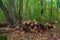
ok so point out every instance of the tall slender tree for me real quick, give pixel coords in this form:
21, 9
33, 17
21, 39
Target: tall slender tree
42, 10
20, 10
51, 11
26, 12
12, 11
57, 9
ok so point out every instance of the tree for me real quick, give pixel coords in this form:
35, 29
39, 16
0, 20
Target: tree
13, 13
26, 12
20, 10
57, 9
51, 12
41, 1
6, 12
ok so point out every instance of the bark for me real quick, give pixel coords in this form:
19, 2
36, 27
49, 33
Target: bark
51, 12
42, 10
6, 12
20, 10
13, 13
26, 12
57, 9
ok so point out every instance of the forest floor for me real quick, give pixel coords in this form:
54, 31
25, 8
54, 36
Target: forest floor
34, 36
39, 36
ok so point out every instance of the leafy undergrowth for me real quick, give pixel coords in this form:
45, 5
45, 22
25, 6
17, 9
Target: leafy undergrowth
3, 37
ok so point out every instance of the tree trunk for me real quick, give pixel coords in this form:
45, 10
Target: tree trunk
26, 12
6, 12
41, 1
57, 9
20, 10
12, 11
51, 12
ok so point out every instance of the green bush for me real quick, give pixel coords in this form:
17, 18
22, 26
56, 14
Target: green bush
3, 37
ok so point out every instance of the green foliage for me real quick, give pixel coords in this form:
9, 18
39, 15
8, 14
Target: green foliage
3, 37
2, 16
34, 10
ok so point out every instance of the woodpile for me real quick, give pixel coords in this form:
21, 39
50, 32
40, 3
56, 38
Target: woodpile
29, 30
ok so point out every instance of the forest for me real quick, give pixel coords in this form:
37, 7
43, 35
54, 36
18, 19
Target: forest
41, 10
18, 11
